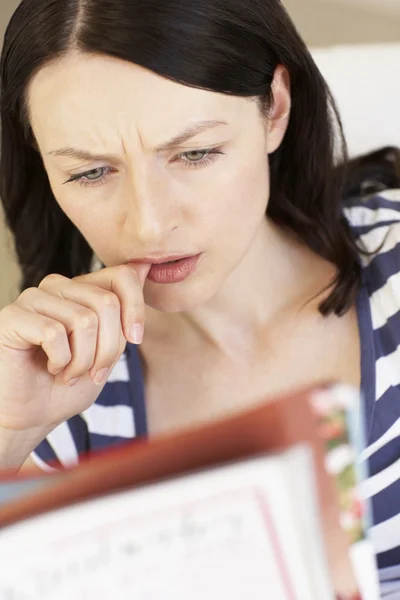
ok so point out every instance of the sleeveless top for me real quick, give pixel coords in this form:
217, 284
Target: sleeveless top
119, 414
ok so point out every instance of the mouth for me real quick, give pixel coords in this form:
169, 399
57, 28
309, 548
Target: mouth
163, 260
171, 269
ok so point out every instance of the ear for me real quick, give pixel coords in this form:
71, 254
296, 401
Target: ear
279, 115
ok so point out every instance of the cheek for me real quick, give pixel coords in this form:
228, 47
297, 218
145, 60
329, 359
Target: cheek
240, 204
91, 219
100, 232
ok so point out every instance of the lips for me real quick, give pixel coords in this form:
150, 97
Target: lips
176, 270
172, 262
163, 260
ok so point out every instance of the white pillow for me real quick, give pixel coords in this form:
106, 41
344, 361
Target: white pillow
365, 81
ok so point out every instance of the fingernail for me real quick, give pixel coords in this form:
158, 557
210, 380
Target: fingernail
73, 382
136, 334
101, 376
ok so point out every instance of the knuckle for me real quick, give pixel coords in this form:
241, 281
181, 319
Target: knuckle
54, 332
105, 362
110, 301
32, 291
51, 280
86, 320
8, 311
5, 316
60, 363
78, 369
105, 357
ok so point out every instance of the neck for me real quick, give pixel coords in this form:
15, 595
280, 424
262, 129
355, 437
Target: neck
276, 278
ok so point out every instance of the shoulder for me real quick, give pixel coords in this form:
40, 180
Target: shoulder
375, 222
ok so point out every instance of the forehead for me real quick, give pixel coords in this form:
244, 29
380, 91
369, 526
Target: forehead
89, 91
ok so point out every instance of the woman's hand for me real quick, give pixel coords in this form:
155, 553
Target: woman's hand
59, 342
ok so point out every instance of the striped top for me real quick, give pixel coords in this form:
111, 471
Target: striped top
120, 415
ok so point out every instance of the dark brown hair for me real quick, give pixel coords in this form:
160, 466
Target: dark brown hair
227, 46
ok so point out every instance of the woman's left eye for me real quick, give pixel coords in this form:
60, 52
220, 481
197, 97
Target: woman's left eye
199, 158
193, 159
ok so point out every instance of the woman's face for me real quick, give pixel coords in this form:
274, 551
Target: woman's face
104, 129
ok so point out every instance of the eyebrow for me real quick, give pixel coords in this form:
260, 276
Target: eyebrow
189, 133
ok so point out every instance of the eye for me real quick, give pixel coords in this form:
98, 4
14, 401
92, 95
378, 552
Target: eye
92, 177
196, 155
95, 174
193, 159
198, 158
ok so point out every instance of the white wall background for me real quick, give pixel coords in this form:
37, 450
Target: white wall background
389, 6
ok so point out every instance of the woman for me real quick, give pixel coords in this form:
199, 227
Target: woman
136, 134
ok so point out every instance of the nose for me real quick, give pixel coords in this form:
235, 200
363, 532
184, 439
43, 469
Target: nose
150, 217
144, 220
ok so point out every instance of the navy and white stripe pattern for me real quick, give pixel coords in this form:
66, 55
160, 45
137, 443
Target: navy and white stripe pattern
376, 224
119, 414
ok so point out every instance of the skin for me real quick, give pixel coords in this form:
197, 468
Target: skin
152, 204
246, 314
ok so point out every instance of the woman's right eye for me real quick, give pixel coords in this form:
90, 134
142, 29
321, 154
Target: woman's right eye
95, 174
92, 177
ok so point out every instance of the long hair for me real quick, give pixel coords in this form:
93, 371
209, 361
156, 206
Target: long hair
225, 46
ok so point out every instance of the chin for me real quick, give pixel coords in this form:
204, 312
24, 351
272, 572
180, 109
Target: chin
178, 297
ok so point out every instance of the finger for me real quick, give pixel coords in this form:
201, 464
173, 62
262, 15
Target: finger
110, 340
24, 330
142, 270
126, 282
80, 322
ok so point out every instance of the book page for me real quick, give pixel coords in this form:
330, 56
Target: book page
226, 533
303, 490
364, 563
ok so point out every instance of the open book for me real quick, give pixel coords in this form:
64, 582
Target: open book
261, 505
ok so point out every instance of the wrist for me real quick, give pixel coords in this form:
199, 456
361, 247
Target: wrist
16, 446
